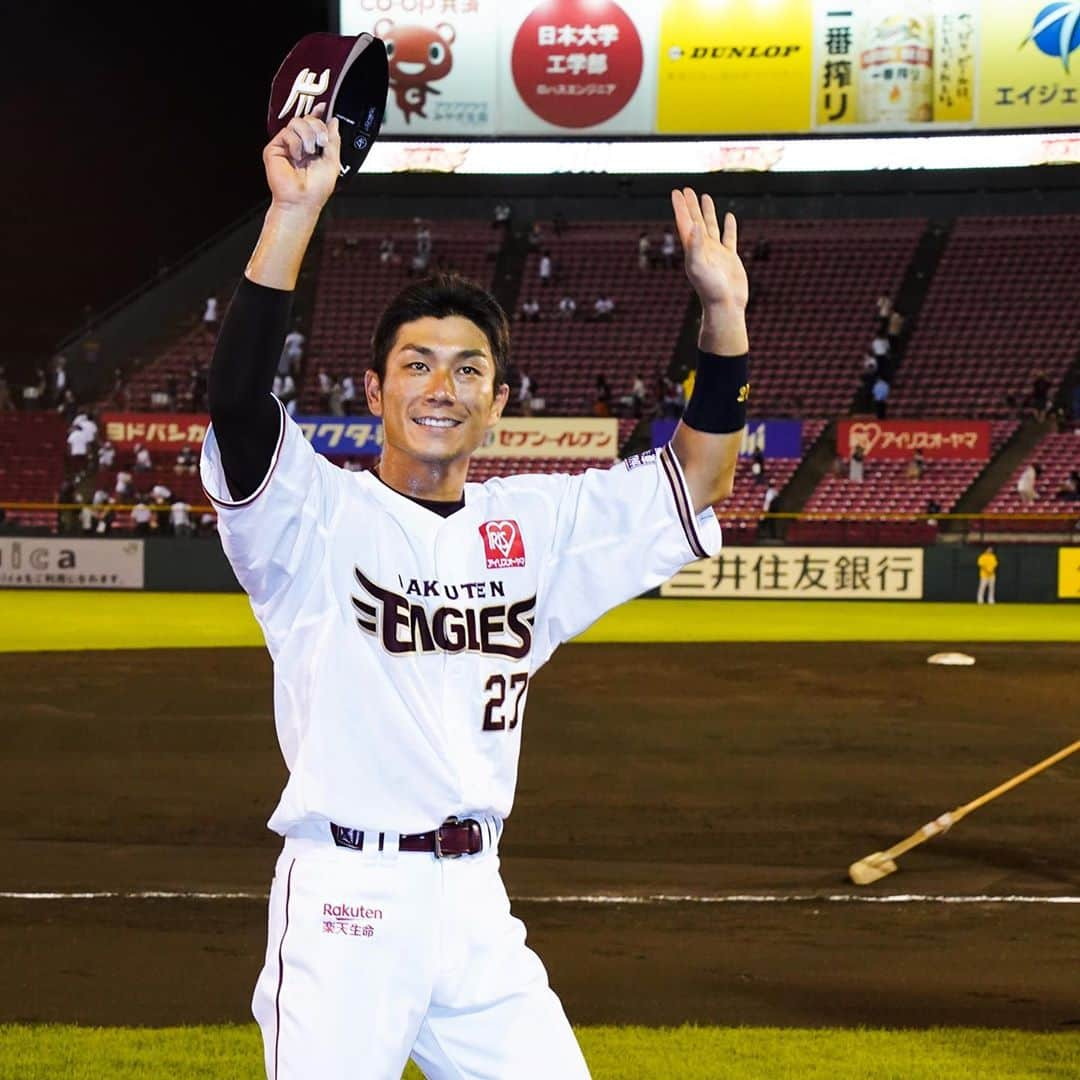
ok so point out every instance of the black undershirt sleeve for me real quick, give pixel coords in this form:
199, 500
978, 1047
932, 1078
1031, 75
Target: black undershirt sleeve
246, 418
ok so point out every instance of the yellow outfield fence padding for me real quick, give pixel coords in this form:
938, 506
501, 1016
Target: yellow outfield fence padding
61, 619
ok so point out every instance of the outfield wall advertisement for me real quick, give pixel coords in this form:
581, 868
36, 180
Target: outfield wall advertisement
797, 573
45, 562
897, 440
679, 67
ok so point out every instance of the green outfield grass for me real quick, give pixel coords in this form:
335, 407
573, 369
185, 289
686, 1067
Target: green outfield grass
686, 1053
32, 621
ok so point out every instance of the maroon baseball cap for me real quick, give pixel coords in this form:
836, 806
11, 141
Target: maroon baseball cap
350, 74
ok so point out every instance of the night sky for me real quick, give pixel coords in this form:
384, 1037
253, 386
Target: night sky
130, 132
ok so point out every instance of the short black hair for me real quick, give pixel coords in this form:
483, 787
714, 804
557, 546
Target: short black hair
439, 296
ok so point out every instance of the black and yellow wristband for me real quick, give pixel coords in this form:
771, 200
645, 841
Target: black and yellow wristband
721, 390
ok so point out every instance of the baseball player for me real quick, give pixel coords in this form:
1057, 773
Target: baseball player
406, 612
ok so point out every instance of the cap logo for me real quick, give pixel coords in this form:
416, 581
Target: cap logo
306, 88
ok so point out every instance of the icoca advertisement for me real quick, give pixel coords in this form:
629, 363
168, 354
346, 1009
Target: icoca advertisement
58, 563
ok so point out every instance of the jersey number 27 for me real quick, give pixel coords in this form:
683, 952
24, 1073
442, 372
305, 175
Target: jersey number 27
495, 719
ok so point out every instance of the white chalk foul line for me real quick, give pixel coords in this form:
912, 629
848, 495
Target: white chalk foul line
659, 898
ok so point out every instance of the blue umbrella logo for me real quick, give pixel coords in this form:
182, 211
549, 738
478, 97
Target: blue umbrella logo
1056, 31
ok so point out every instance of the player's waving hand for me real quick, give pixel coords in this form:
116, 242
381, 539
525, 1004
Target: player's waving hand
303, 161
712, 259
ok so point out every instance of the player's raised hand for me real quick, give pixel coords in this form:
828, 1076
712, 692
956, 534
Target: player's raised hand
303, 161
712, 259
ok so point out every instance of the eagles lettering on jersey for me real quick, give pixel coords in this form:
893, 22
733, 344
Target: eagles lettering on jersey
405, 627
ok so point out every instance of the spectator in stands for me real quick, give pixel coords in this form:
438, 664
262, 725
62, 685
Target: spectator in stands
325, 386
567, 307
118, 395
767, 529
348, 395
501, 217
80, 437
1025, 486
172, 392
643, 247
187, 462
635, 400
757, 466
180, 518
160, 507
855, 467
34, 394
68, 406
883, 309
210, 316
197, 388
933, 508
1070, 490
423, 240
880, 350
865, 398
292, 351
536, 237
65, 495
602, 399
141, 518
530, 310
916, 467
336, 400
124, 484
207, 524
387, 257
106, 455
880, 394
674, 399
603, 308
288, 395
1039, 399
160, 492
143, 461
667, 248
5, 393
525, 393
545, 268
419, 263
894, 329
58, 380
988, 564
104, 517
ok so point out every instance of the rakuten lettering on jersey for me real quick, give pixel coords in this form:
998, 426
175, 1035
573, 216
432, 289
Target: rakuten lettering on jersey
503, 545
405, 627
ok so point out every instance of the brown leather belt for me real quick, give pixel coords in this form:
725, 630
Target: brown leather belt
450, 840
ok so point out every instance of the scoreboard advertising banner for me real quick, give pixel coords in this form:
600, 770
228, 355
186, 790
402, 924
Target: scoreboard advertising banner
679, 67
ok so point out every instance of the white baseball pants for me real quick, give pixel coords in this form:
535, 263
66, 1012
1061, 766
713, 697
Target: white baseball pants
986, 588
375, 957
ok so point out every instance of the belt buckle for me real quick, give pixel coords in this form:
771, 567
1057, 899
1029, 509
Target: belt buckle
439, 853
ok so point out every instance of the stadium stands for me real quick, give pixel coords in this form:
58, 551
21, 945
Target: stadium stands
565, 356
354, 287
32, 450
812, 311
1058, 454
997, 310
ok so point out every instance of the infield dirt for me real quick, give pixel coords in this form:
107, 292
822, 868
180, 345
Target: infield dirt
705, 770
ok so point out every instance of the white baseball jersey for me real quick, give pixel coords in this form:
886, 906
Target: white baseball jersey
403, 641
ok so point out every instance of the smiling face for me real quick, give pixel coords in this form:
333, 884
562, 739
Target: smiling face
437, 399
